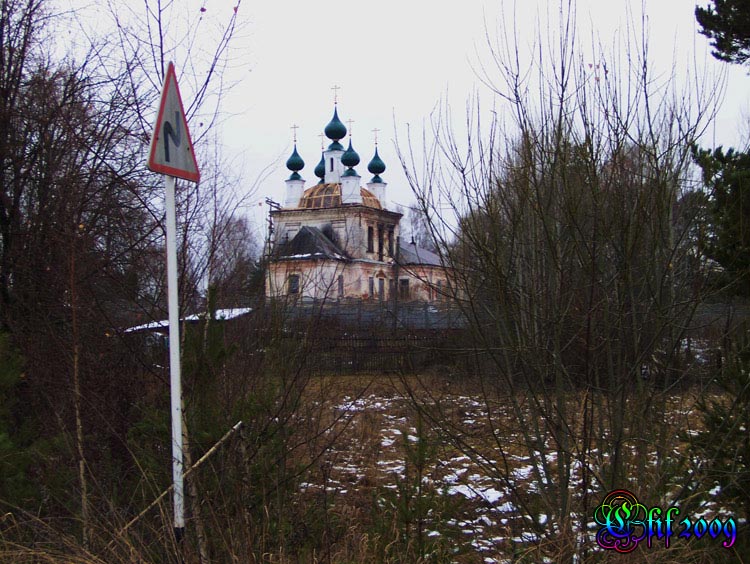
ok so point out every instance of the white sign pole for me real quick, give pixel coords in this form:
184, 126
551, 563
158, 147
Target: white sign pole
171, 153
174, 359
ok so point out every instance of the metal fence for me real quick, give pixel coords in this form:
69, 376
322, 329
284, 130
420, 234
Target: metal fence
350, 337
387, 314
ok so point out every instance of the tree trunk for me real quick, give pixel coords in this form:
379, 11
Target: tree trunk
77, 400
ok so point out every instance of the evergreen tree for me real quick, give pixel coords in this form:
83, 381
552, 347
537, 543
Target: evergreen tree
727, 177
723, 443
727, 24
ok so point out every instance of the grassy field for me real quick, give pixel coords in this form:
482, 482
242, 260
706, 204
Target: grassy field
446, 491
393, 470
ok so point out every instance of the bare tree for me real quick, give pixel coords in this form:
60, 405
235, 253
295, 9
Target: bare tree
80, 217
572, 261
418, 229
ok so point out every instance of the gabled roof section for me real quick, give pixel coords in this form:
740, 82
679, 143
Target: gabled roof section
411, 254
310, 243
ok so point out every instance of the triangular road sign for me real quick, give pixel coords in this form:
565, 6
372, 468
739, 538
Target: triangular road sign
171, 151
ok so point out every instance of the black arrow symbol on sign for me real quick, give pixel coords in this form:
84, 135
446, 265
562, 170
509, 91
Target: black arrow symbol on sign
169, 132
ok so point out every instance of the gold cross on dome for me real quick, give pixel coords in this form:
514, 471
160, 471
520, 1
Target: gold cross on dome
336, 89
294, 128
322, 143
375, 131
350, 122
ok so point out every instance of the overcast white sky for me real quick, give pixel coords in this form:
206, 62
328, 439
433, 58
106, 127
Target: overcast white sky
394, 60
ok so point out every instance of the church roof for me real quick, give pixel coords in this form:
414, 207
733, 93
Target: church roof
329, 196
310, 243
411, 254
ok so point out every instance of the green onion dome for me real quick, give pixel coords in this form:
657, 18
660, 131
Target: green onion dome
376, 166
335, 130
350, 157
295, 176
335, 146
320, 169
295, 162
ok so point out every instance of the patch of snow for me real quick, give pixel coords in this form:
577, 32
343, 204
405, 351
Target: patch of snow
231, 313
352, 405
506, 507
490, 495
453, 477
464, 490
163, 324
486, 520
220, 314
392, 467
523, 473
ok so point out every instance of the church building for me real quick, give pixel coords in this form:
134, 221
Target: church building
336, 240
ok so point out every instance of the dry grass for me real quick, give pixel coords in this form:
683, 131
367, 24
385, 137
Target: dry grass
374, 496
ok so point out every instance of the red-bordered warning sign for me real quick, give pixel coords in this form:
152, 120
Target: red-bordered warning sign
171, 151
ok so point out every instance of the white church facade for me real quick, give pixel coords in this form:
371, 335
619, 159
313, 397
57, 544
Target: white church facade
335, 240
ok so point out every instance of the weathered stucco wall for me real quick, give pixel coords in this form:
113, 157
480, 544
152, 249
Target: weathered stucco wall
360, 279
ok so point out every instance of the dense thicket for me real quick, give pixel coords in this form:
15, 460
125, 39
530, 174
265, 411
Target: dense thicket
75, 238
576, 231
722, 444
82, 259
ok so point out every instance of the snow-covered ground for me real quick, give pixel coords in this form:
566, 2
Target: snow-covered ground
481, 507
470, 500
